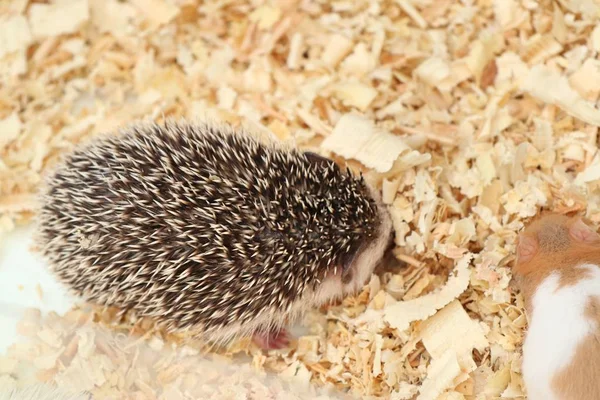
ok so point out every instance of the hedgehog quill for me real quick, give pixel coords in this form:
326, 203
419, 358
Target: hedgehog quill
202, 226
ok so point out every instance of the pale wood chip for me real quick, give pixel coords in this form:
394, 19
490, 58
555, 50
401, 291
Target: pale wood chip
10, 128
158, 12
355, 94
8, 365
58, 18
265, 16
433, 71
295, 54
586, 80
595, 38
338, 47
356, 137
541, 47
452, 328
412, 12
550, 87
15, 34
112, 16
508, 13
401, 314
440, 376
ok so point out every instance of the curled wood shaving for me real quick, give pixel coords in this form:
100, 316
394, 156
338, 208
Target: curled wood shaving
452, 328
550, 87
401, 314
440, 376
358, 138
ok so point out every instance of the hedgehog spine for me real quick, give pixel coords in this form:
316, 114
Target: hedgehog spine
205, 227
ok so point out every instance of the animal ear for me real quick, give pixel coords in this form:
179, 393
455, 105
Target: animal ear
583, 233
319, 159
526, 248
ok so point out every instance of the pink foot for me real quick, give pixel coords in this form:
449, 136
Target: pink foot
272, 340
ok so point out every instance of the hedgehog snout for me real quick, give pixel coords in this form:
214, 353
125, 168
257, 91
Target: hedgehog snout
361, 266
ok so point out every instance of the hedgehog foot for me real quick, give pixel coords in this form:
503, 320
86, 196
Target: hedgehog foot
272, 340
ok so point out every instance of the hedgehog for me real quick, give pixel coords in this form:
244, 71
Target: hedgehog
202, 226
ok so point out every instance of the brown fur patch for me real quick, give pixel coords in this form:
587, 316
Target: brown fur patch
580, 379
570, 277
557, 252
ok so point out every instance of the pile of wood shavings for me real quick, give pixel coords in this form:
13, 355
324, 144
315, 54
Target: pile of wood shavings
74, 352
470, 116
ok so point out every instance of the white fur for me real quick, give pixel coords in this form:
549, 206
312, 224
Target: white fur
557, 326
364, 264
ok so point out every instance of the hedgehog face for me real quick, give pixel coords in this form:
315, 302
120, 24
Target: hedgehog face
356, 267
360, 267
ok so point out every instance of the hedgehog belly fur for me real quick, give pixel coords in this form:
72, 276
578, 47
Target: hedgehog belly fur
202, 226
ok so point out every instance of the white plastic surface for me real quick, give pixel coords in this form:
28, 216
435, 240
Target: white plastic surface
21, 271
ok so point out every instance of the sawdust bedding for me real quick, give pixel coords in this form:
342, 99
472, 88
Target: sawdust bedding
470, 116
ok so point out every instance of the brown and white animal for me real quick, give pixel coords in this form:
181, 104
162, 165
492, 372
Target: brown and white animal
202, 226
558, 271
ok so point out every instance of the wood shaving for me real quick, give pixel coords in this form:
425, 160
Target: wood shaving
111, 363
358, 138
409, 9
509, 13
452, 329
440, 376
355, 94
15, 35
433, 71
10, 128
550, 87
401, 314
540, 48
157, 12
40, 391
58, 18
338, 47
470, 116
586, 80
112, 16
265, 16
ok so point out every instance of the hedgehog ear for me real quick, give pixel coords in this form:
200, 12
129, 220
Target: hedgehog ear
526, 248
319, 160
583, 233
